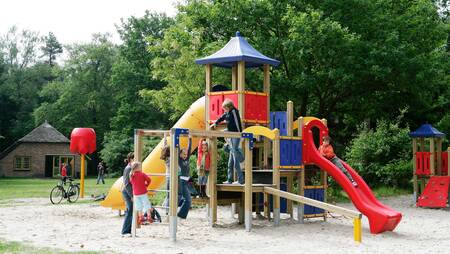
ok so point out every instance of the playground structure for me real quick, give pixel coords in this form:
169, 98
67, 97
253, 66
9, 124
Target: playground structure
266, 135
431, 170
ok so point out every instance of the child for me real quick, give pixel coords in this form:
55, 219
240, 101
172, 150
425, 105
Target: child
326, 150
140, 182
64, 173
203, 164
183, 165
233, 120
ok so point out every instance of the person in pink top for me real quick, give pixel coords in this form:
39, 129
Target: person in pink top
140, 181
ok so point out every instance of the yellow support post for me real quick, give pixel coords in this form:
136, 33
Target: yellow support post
83, 160
357, 230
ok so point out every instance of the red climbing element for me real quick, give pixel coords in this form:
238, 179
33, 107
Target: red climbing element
435, 194
83, 141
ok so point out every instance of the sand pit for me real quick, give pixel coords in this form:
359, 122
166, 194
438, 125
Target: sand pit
91, 227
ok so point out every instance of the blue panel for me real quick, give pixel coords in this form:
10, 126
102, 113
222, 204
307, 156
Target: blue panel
297, 148
319, 196
278, 119
285, 152
310, 193
290, 152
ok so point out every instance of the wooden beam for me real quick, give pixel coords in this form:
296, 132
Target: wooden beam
234, 78
152, 133
439, 156
290, 118
290, 187
313, 202
266, 206
266, 152
266, 87
276, 176
300, 127
241, 89
208, 81
173, 200
212, 181
248, 186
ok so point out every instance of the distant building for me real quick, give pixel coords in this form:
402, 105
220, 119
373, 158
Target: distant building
40, 153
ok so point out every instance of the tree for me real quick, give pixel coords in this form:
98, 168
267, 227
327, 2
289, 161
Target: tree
131, 73
51, 49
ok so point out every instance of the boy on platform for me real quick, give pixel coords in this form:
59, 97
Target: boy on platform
327, 151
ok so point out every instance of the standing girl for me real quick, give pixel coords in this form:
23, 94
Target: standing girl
140, 182
203, 165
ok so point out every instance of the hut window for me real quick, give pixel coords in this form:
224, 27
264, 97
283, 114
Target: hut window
22, 163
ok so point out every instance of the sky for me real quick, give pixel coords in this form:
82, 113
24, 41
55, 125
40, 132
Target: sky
75, 21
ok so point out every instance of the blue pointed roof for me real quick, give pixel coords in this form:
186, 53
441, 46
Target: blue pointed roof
426, 131
237, 49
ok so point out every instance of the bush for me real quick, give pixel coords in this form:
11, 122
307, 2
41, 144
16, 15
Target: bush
382, 157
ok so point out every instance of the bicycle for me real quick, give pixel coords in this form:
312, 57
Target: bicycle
58, 192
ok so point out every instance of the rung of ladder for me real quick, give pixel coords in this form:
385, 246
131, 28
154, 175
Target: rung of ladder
157, 174
158, 190
161, 206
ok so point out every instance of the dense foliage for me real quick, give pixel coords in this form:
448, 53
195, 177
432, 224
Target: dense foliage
350, 61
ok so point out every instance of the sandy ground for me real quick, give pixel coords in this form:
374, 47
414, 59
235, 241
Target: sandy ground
91, 227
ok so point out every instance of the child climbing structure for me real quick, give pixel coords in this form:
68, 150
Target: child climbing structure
431, 170
270, 136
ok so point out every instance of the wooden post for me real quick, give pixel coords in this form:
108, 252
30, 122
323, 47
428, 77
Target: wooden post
276, 176
266, 206
208, 79
138, 145
241, 90
432, 157
290, 183
266, 152
300, 179
212, 181
290, 118
248, 186
415, 184
266, 84
173, 202
82, 173
234, 78
439, 156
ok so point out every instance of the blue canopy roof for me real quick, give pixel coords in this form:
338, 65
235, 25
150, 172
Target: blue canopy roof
426, 131
238, 49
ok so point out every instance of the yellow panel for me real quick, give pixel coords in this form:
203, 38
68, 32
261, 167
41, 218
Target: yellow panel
261, 131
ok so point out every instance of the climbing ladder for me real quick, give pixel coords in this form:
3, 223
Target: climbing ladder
435, 194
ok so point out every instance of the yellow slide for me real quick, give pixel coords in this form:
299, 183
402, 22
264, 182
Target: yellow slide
194, 118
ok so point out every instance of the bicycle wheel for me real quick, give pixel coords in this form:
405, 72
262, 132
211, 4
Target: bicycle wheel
73, 193
56, 195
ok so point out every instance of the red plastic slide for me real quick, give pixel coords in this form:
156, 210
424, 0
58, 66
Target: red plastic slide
381, 218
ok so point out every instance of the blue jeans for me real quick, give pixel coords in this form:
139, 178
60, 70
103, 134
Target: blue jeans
234, 161
126, 228
184, 199
337, 162
101, 177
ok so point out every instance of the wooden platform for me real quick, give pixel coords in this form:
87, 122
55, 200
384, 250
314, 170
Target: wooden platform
220, 201
256, 187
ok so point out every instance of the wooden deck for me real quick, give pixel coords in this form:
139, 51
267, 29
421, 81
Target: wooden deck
257, 187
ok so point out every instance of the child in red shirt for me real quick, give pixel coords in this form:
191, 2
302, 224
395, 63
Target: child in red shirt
64, 173
140, 181
327, 151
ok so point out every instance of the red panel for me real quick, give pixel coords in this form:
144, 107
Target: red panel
419, 163
435, 193
444, 163
215, 106
256, 107
426, 163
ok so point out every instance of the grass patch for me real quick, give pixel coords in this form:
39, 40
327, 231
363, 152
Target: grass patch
337, 195
16, 247
13, 188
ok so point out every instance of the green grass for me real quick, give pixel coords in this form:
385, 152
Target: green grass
339, 196
16, 247
13, 188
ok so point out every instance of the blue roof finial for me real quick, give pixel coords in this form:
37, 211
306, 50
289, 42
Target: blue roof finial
238, 34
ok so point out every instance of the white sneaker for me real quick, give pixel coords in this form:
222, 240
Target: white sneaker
126, 235
237, 182
355, 184
226, 182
